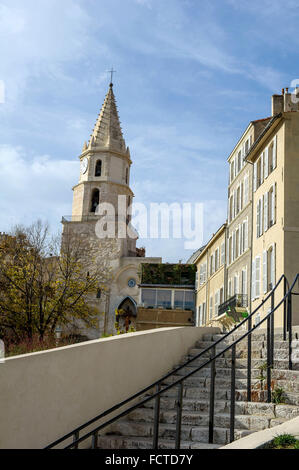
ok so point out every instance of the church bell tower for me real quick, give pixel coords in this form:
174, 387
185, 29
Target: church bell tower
105, 164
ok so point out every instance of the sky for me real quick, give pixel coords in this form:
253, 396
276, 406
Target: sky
191, 75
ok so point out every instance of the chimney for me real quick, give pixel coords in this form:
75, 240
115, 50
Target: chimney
277, 103
290, 101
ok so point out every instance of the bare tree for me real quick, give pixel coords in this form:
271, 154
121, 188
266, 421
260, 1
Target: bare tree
43, 286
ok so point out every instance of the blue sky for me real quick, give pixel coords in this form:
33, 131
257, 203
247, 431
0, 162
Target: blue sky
191, 74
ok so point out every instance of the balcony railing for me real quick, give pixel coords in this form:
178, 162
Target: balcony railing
238, 300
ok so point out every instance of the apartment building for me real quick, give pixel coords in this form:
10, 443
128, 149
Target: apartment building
239, 225
210, 278
261, 236
275, 237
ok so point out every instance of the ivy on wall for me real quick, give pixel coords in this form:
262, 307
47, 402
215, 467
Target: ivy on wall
168, 274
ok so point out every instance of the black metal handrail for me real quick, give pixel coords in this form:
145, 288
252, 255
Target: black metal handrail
287, 300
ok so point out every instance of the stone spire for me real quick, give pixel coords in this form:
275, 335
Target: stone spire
107, 132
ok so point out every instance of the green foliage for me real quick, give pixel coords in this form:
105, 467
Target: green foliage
168, 274
44, 285
277, 395
285, 440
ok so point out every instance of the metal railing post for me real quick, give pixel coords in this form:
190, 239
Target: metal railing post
232, 395
269, 360
285, 310
249, 361
156, 419
75, 437
179, 416
290, 320
94, 444
272, 330
212, 397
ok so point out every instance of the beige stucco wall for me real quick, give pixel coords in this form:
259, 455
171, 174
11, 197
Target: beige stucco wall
274, 234
214, 281
47, 394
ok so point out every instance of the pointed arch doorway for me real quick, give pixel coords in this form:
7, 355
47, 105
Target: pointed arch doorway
126, 318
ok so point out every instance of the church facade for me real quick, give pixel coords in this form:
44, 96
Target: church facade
104, 183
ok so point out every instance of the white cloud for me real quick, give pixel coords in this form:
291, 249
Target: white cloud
34, 187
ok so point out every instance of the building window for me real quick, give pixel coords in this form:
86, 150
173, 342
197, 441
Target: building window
238, 201
272, 155
256, 277
211, 265
217, 259
232, 171
259, 218
211, 307
95, 199
127, 175
164, 298
269, 269
99, 293
237, 243
244, 281
231, 215
222, 259
246, 189
98, 171
272, 206
239, 160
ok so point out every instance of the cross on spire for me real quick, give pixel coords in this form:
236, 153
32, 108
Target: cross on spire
112, 71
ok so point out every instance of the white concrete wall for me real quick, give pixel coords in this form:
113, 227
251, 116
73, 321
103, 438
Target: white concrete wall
47, 394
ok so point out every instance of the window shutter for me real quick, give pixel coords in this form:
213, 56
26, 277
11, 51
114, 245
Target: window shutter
257, 275
274, 152
258, 219
240, 239
273, 196
211, 307
274, 203
234, 246
261, 215
222, 254
273, 263
266, 197
266, 162
200, 315
246, 234
262, 168
253, 280
265, 281
244, 281
246, 189
233, 206
254, 176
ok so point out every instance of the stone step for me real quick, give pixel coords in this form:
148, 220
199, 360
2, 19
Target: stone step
241, 353
256, 335
168, 432
195, 418
120, 442
270, 410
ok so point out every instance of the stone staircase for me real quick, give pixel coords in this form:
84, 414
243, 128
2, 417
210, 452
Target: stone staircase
135, 431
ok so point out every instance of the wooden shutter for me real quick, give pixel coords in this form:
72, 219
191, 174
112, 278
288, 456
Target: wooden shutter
253, 280
273, 265
266, 162
274, 152
266, 197
258, 219
257, 276
254, 176
265, 276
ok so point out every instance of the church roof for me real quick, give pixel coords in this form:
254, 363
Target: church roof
107, 132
